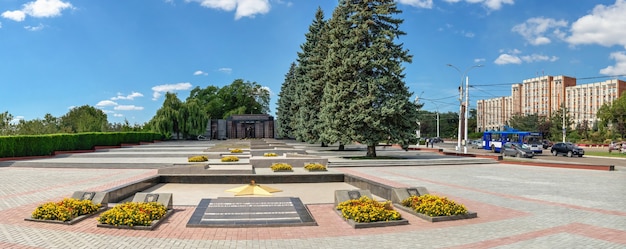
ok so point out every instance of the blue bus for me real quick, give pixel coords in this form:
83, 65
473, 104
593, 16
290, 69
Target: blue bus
493, 140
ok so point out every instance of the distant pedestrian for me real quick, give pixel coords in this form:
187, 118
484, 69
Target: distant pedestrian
432, 143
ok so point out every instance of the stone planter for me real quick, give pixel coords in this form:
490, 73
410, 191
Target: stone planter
358, 225
69, 222
469, 215
152, 226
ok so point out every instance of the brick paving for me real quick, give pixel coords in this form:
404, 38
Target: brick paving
517, 206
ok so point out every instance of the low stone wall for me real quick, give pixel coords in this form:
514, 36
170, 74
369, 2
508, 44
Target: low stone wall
279, 152
122, 192
296, 162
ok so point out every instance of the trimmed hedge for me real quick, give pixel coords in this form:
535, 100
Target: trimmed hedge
44, 145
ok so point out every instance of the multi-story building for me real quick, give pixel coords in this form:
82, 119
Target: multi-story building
583, 101
545, 95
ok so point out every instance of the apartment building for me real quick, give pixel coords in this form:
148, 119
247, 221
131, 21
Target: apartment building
583, 101
545, 95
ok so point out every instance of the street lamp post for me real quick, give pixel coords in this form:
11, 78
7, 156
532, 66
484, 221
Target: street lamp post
463, 114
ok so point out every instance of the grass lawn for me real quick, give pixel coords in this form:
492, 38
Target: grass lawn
605, 153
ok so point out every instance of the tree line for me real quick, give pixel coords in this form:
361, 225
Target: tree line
175, 119
347, 84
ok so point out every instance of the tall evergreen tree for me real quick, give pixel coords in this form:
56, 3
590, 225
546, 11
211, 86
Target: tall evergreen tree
366, 83
287, 106
310, 71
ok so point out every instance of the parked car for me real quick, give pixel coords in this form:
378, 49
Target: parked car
567, 149
546, 144
516, 150
476, 144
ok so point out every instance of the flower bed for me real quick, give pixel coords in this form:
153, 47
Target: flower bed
270, 154
198, 159
315, 167
236, 150
365, 212
134, 215
435, 208
281, 167
68, 211
230, 159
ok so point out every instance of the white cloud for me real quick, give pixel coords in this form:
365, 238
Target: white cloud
604, 26
106, 103
225, 70
38, 9
479, 60
620, 64
16, 15
131, 96
199, 72
128, 108
427, 4
504, 59
538, 57
515, 57
160, 89
16, 120
243, 8
118, 115
490, 4
34, 28
534, 29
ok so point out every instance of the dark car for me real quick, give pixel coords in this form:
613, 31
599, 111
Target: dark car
516, 150
567, 149
546, 144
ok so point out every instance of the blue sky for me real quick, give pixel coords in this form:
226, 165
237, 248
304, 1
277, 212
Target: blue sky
122, 56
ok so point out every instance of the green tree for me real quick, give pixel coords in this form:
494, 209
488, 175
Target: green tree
6, 128
286, 106
48, 125
84, 119
237, 98
614, 116
310, 86
193, 118
372, 101
167, 119
560, 121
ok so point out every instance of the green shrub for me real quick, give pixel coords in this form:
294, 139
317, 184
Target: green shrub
365, 210
433, 205
133, 214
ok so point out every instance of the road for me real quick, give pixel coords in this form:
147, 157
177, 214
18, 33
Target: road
546, 156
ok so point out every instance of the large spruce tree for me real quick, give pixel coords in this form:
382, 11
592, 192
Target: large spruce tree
309, 85
366, 99
287, 106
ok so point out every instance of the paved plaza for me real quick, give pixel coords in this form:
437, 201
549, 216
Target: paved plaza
518, 206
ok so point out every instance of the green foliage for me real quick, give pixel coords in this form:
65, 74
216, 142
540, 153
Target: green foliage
287, 107
365, 98
43, 145
433, 205
64, 210
133, 214
365, 210
85, 119
240, 97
